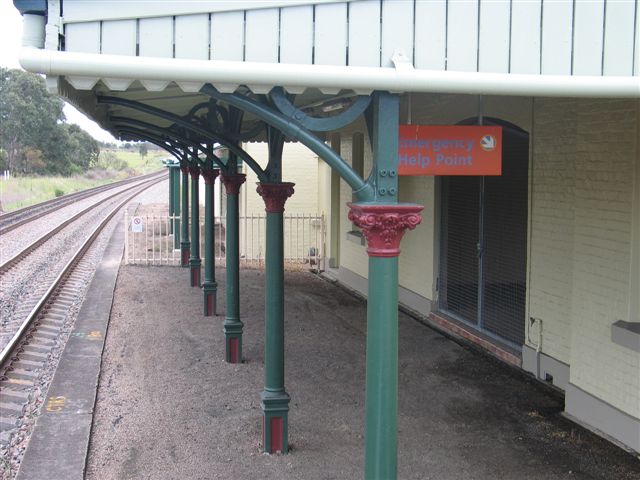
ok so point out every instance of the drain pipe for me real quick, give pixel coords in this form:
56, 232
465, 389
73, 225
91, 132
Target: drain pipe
539, 348
533, 320
33, 30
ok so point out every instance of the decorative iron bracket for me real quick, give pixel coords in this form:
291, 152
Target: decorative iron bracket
294, 130
184, 140
317, 124
205, 134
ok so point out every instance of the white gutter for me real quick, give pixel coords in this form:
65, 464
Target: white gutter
403, 78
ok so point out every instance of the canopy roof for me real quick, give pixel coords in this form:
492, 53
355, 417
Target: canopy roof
326, 52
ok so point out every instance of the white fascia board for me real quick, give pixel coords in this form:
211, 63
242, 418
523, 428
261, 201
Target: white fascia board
89, 11
360, 79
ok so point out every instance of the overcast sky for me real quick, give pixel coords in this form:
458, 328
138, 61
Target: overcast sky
10, 42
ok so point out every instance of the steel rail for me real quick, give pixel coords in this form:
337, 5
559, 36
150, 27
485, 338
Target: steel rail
54, 204
4, 267
7, 351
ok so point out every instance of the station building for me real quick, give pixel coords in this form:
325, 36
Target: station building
539, 265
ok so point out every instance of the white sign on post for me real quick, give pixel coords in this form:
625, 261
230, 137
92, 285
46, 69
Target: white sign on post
137, 226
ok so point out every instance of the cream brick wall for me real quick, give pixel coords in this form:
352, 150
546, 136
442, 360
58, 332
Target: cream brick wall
352, 255
299, 165
416, 271
607, 152
634, 281
552, 224
584, 156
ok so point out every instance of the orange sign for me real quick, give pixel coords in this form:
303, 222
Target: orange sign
449, 150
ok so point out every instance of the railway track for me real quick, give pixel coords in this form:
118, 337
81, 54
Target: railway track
11, 220
26, 359
18, 257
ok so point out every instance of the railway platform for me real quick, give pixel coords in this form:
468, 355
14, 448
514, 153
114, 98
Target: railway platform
168, 406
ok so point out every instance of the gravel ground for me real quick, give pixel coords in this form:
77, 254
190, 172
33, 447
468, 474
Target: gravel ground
169, 407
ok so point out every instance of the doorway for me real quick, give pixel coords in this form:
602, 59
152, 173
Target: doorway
483, 253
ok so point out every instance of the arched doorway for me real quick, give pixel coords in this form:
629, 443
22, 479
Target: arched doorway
483, 253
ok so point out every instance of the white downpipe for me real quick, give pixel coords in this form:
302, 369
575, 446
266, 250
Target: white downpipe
359, 79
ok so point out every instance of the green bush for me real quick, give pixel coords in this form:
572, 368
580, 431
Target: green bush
58, 192
111, 161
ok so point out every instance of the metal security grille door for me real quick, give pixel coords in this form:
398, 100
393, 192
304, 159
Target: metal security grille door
484, 244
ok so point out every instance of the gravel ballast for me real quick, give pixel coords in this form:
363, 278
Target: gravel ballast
169, 407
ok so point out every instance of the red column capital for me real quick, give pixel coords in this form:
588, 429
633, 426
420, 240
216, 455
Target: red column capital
210, 175
384, 225
194, 170
184, 169
275, 195
232, 182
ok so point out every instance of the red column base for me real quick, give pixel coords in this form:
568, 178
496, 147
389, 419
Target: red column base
275, 441
234, 350
210, 304
184, 257
195, 276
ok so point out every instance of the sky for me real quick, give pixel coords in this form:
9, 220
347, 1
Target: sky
10, 43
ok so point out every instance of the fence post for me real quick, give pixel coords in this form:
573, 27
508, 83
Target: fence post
126, 238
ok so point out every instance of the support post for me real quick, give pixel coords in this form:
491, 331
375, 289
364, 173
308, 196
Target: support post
383, 226
383, 223
209, 286
175, 209
185, 244
194, 259
232, 324
275, 400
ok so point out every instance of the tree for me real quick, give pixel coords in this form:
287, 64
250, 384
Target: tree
143, 150
33, 135
83, 149
27, 114
33, 160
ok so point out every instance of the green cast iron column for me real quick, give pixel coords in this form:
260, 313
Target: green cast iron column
232, 324
383, 226
175, 209
381, 408
194, 259
185, 244
275, 400
383, 223
209, 286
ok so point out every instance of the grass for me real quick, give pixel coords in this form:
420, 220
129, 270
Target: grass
19, 192
151, 163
